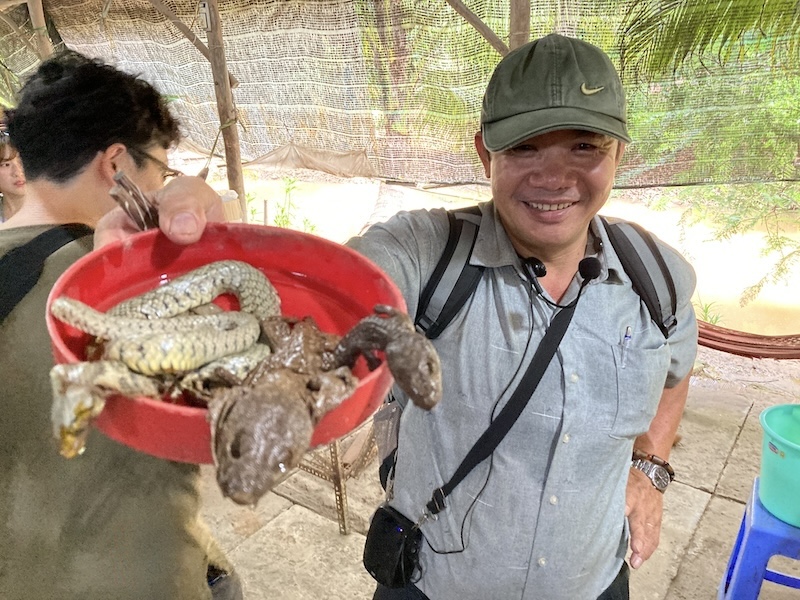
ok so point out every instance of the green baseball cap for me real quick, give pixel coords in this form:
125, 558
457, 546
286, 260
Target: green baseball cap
552, 83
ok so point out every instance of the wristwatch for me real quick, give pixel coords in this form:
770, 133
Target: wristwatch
657, 469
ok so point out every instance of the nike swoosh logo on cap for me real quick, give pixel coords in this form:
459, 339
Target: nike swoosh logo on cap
587, 91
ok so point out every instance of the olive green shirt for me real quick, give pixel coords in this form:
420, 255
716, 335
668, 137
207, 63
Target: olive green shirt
110, 524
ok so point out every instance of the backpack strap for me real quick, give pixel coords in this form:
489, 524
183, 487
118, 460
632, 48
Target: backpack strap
642, 261
454, 279
21, 267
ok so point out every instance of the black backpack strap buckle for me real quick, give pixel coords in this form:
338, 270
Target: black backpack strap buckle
436, 503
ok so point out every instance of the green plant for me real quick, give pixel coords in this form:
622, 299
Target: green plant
742, 57
308, 226
659, 36
285, 213
705, 311
250, 202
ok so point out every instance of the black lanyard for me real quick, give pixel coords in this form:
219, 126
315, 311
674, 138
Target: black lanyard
498, 429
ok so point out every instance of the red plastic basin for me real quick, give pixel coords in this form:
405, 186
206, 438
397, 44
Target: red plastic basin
314, 277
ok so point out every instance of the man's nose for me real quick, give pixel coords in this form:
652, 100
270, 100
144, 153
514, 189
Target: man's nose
550, 170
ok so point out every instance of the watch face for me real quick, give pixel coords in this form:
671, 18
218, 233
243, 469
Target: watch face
660, 477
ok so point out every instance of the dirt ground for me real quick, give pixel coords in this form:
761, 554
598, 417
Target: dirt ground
714, 369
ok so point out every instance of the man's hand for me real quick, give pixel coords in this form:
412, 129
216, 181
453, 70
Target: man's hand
185, 205
644, 506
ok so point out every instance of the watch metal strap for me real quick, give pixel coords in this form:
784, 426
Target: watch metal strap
641, 455
650, 469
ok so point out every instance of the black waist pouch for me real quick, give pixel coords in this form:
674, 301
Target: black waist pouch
391, 552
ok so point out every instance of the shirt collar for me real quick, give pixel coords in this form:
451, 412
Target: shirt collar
599, 246
492, 247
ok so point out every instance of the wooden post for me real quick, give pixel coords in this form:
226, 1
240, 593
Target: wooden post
167, 12
482, 28
225, 106
44, 46
519, 23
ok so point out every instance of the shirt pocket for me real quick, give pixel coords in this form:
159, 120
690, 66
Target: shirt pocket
640, 383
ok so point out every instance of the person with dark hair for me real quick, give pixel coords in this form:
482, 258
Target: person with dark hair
12, 179
579, 477
113, 523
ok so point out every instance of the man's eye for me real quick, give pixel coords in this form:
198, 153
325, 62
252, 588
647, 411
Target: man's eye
522, 149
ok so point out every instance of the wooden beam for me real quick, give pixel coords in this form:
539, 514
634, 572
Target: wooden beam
5, 4
44, 47
22, 36
181, 26
519, 23
225, 106
482, 28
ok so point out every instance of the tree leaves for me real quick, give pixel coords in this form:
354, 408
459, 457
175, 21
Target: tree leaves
658, 36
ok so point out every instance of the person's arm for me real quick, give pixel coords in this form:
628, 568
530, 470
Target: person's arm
644, 503
185, 205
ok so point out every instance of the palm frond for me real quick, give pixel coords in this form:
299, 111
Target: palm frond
658, 36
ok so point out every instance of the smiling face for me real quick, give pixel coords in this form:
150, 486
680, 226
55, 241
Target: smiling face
548, 188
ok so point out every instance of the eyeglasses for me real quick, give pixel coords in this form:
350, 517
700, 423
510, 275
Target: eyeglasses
167, 172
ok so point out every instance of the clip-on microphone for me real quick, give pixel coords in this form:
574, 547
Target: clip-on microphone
589, 268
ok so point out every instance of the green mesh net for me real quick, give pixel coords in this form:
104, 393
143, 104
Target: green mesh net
402, 81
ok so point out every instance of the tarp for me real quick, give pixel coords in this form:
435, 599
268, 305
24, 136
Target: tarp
292, 156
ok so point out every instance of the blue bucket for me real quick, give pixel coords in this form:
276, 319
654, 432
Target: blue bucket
779, 486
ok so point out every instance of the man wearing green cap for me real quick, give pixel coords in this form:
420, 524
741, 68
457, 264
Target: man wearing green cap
544, 517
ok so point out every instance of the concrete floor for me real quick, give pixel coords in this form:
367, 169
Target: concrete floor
289, 546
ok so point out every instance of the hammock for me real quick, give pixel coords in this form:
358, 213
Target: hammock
752, 345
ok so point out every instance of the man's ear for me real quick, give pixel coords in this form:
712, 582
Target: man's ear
484, 155
112, 159
620, 151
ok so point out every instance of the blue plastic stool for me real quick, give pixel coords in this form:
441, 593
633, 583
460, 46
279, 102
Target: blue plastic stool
761, 536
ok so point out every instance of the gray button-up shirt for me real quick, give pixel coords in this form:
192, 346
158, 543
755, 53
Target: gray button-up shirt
544, 516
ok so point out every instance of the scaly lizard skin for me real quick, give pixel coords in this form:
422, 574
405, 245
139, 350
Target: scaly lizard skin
412, 358
262, 429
